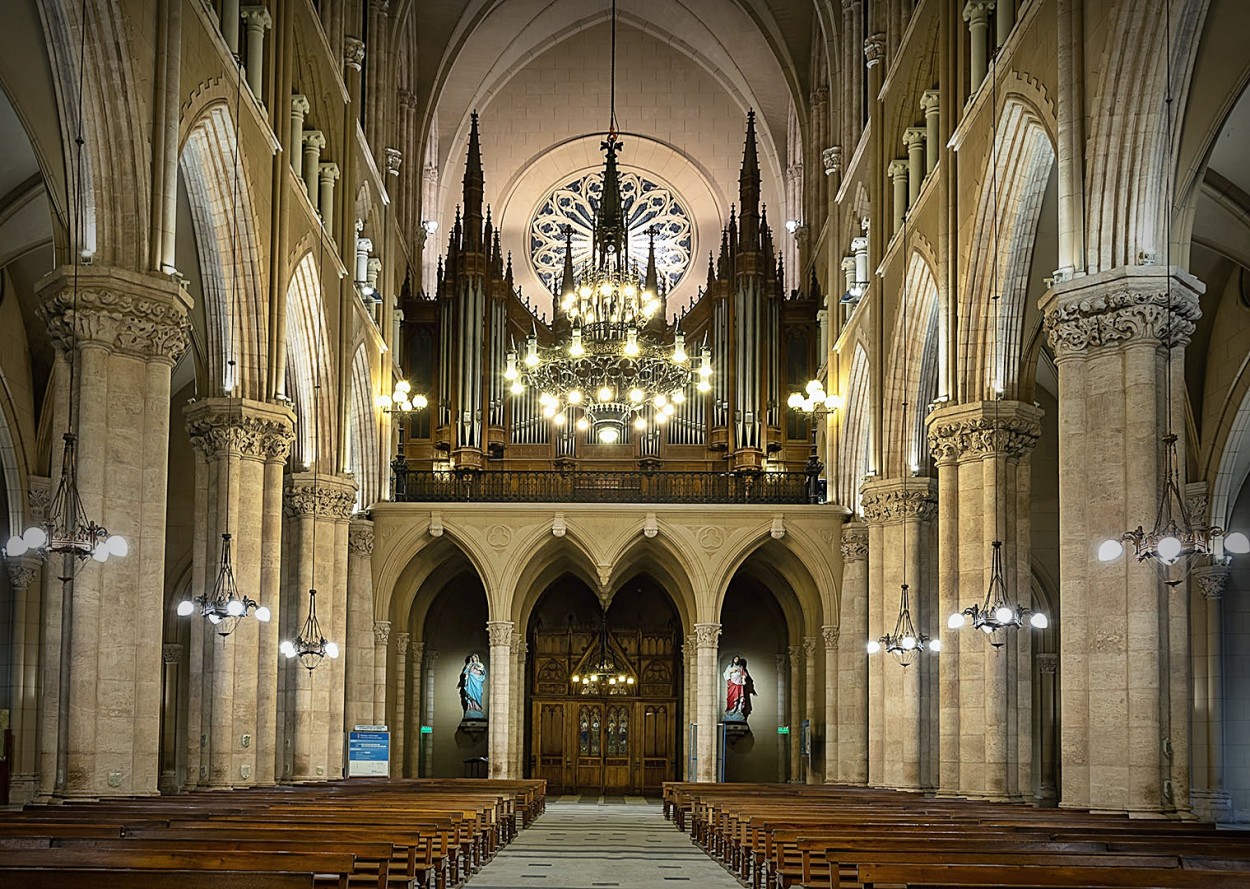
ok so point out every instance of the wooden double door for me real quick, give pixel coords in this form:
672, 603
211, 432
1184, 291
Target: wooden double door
610, 745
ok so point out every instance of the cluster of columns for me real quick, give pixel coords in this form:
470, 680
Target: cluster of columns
907, 177
257, 20
977, 16
318, 176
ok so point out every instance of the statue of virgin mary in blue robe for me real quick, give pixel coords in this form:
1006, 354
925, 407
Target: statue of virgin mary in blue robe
472, 687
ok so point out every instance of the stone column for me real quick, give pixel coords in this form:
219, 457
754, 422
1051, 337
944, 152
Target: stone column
500, 634
1118, 654
795, 721
977, 15
171, 657
1047, 665
24, 675
270, 698
852, 657
234, 438
125, 330
707, 636
898, 723
831, 635
299, 110
516, 728
313, 708
1004, 20
859, 246
381, 636
258, 21
430, 677
930, 101
314, 142
230, 24
898, 176
690, 698
914, 139
1211, 801
328, 175
359, 651
399, 731
411, 762
981, 448
783, 714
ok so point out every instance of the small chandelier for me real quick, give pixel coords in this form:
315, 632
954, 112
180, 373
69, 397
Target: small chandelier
904, 643
310, 646
66, 530
1174, 539
605, 671
224, 607
996, 612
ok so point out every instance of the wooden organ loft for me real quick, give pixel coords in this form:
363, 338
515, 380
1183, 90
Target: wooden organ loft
764, 345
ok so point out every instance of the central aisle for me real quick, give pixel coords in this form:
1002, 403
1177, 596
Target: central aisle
581, 845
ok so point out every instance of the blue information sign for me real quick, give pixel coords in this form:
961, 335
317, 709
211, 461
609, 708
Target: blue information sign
368, 753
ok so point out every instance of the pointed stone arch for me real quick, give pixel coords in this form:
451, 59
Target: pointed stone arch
855, 453
914, 362
364, 457
310, 369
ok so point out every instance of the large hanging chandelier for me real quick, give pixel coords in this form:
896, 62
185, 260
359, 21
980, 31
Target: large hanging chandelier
224, 606
604, 673
904, 643
310, 646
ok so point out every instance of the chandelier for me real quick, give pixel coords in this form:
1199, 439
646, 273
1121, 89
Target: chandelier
224, 607
1174, 539
816, 404
604, 673
310, 646
996, 612
905, 644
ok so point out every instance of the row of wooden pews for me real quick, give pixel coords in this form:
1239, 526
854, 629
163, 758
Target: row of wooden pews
357, 834
839, 837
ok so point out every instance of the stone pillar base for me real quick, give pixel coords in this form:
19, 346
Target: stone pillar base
1211, 805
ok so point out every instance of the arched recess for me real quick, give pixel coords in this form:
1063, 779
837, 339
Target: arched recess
310, 369
1009, 210
765, 615
225, 231
855, 448
364, 459
913, 377
548, 558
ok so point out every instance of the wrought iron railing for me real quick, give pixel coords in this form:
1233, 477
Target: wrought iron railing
590, 486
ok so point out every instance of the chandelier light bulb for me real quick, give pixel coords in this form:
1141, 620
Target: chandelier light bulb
935, 645
403, 386
678, 397
406, 407
1237, 543
608, 435
956, 620
1039, 620
795, 401
100, 553
549, 411
704, 386
630, 291
834, 403
1110, 550
511, 373
909, 642
576, 349
636, 396
1169, 548
661, 418
987, 629
574, 396
659, 401
668, 409
185, 607
814, 386
584, 291
263, 615
582, 424
382, 402
1003, 614
606, 393
873, 646
234, 608
332, 649
558, 419
16, 546
35, 537
214, 619
287, 649
605, 289
640, 424
517, 387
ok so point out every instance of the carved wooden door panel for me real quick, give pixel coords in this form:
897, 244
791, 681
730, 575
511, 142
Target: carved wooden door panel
550, 734
589, 767
618, 747
659, 762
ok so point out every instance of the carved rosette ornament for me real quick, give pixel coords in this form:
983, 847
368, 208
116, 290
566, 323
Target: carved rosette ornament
888, 501
360, 539
144, 316
381, 631
984, 429
499, 632
236, 426
854, 542
706, 635
831, 635
1086, 314
331, 497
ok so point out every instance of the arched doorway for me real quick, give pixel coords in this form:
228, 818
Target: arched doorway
603, 731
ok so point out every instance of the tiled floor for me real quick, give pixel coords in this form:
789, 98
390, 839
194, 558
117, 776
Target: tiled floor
584, 845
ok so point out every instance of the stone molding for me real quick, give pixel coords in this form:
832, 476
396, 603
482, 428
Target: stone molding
854, 542
706, 635
381, 631
889, 501
984, 429
1116, 307
1212, 580
499, 632
324, 495
140, 315
360, 538
831, 634
254, 429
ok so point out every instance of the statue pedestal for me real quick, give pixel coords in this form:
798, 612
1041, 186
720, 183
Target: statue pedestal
735, 726
474, 723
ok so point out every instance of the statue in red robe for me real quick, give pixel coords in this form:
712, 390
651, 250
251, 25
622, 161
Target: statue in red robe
739, 687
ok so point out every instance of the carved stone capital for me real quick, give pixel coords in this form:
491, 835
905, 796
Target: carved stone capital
890, 501
38, 497
898, 169
499, 632
394, 158
140, 315
401, 644
360, 537
930, 101
706, 635
353, 52
977, 12
255, 429
854, 542
300, 105
1048, 663
416, 650
982, 429
171, 653
809, 647
381, 631
1198, 501
874, 50
22, 573
831, 635
328, 172
307, 494
407, 100
257, 18
1211, 580
831, 159
914, 136
314, 139
1117, 307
